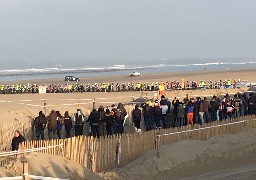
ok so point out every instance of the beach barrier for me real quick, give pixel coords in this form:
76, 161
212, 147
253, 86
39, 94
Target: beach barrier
104, 154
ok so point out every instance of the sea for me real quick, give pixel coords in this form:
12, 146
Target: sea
42, 70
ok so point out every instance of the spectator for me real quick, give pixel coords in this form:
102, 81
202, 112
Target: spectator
164, 108
206, 107
102, 122
229, 110
40, 124
121, 113
180, 115
94, 119
52, 124
148, 114
201, 112
59, 124
79, 122
213, 109
136, 116
196, 105
189, 113
157, 114
16, 140
169, 116
109, 122
68, 124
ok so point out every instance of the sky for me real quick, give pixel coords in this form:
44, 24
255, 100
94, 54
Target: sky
95, 32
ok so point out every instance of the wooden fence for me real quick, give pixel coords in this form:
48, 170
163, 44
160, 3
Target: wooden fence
103, 154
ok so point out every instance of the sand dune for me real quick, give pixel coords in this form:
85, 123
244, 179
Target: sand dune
49, 166
221, 157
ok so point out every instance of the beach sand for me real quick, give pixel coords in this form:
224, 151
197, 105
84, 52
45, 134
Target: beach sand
248, 74
24, 107
221, 157
17, 108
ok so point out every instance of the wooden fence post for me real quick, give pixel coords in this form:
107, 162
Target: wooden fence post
158, 144
44, 106
93, 103
118, 152
25, 170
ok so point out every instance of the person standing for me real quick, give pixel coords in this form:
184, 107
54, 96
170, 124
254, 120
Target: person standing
189, 113
175, 103
121, 113
94, 119
109, 123
79, 122
114, 116
180, 115
169, 116
157, 115
164, 108
136, 116
196, 105
201, 112
206, 106
213, 108
40, 124
16, 140
67, 124
59, 124
102, 123
147, 114
52, 124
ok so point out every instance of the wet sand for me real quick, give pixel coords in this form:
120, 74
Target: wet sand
249, 74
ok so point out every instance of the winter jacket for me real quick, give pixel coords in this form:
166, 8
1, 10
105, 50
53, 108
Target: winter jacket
180, 111
189, 109
136, 114
52, 121
68, 122
214, 106
196, 108
148, 111
164, 109
206, 106
94, 118
16, 141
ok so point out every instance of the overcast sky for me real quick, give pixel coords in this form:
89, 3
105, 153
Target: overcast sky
99, 30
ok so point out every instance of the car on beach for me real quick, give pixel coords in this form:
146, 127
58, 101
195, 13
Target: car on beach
134, 74
71, 78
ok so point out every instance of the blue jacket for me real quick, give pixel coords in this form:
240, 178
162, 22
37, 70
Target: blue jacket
189, 109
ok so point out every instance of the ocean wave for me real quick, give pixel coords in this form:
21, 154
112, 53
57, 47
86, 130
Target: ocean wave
112, 68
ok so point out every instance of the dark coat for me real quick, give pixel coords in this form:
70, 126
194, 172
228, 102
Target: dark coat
52, 121
148, 111
214, 106
94, 118
180, 111
67, 122
16, 141
136, 114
